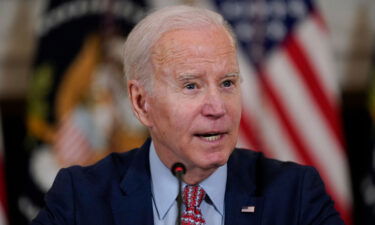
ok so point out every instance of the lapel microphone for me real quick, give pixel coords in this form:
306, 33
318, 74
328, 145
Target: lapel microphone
178, 170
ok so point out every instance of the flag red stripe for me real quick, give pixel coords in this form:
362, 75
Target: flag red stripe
298, 58
68, 142
248, 131
319, 20
343, 209
71, 145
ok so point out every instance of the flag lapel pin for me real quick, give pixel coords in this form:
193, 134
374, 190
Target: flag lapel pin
248, 209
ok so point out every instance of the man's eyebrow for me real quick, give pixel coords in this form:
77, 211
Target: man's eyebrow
184, 77
232, 75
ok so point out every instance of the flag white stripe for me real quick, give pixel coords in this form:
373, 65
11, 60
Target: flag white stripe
3, 218
249, 86
274, 137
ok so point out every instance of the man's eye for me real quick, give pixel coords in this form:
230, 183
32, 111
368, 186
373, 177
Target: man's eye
191, 86
227, 83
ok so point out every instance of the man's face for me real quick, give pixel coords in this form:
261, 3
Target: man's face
194, 107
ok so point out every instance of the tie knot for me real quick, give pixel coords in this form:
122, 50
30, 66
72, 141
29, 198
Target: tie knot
193, 195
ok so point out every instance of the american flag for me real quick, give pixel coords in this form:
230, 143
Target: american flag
72, 146
290, 88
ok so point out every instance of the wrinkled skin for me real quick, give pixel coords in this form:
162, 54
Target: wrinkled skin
194, 108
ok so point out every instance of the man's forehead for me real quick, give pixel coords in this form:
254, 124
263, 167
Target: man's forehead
193, 43
192, 36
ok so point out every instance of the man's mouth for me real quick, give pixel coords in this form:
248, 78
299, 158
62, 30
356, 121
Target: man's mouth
210, 136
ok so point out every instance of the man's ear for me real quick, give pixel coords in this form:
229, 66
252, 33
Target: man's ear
139, 101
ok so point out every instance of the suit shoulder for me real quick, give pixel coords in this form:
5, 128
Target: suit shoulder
247, 155
112, 167
269, 168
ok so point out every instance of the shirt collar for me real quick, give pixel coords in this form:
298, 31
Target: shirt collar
214, 186
165, 185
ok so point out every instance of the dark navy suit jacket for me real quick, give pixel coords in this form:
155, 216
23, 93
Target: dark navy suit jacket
117, 190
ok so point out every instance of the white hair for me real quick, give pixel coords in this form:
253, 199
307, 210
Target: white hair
141, 40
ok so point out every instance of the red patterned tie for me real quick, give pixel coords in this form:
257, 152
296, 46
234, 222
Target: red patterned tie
192, 198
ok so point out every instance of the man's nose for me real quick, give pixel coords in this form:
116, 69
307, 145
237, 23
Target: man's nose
214, 104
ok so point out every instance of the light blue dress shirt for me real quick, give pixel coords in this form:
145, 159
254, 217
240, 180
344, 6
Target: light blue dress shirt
165, 191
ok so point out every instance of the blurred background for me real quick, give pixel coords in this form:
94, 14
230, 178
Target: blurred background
308, 70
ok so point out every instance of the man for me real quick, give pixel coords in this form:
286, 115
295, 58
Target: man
184, 84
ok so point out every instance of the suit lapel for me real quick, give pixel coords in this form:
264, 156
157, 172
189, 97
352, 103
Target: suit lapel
241, 192
131, 203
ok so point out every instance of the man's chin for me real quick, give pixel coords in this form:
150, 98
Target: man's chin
214, 164
218, 158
